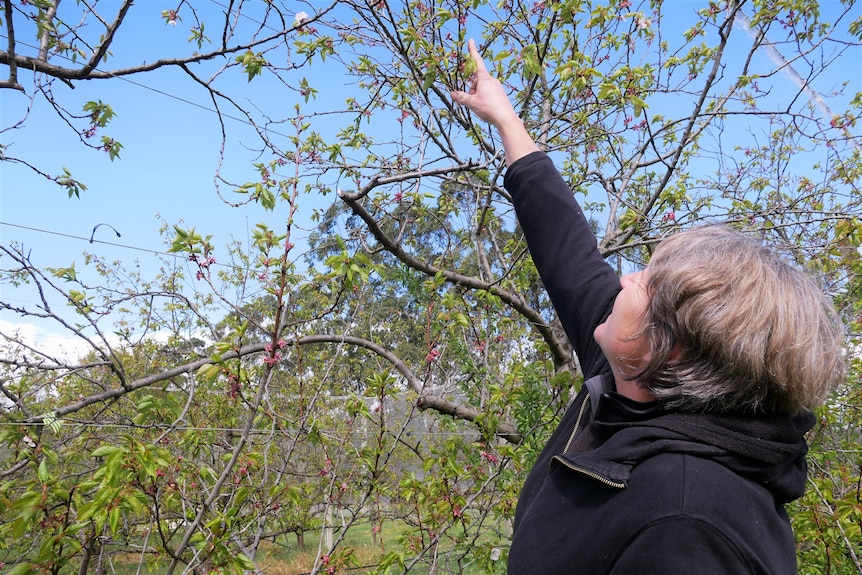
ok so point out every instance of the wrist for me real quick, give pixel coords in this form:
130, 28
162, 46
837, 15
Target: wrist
509, 122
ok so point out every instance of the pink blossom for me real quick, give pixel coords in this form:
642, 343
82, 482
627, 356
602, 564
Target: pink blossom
272, 359
489, 457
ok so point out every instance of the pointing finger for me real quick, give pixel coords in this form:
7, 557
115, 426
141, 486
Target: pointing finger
474, 53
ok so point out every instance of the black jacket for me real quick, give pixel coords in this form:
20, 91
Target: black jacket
629, 488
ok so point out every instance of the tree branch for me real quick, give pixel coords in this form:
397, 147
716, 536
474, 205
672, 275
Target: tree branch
561, 357
12, 82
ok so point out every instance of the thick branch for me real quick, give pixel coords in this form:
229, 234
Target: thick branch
425, 400
12, 82
100, 52
87, 73
504, 430
561, 357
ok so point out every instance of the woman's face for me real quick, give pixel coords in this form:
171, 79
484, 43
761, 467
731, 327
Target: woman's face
626, 349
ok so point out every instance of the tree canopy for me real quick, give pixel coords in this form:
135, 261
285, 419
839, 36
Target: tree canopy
399, 373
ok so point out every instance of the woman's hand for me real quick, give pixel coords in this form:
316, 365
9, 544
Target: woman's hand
488, 100
486, 97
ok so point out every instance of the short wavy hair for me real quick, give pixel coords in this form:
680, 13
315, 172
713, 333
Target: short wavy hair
733, 327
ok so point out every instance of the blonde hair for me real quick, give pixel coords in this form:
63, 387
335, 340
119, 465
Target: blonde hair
733, 327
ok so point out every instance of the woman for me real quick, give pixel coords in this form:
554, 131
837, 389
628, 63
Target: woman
686, 439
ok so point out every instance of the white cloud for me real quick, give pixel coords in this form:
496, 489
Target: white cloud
50, 343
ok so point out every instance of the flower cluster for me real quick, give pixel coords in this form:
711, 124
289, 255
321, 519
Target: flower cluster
328, 563
324, 471
204, 262
235, 385
274, 352
489, 457
279, 345
171, 17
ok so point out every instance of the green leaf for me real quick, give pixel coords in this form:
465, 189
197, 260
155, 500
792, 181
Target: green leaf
100, 113
42, 471
73, 186
114, 519
106, 450
267, 199
428, 80
52, 422
208, 373
146, 404
252, 63
639, 105
23, 569
244, 562
68, 274
111, 146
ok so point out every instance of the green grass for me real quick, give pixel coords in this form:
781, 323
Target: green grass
284, 558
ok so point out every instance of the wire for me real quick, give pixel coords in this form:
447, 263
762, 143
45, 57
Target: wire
67, 423
88, 240
118, 245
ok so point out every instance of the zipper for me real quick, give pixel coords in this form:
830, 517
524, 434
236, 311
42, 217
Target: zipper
596, 476
577, 422
581, 470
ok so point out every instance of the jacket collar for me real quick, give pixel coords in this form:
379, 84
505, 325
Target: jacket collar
766, 448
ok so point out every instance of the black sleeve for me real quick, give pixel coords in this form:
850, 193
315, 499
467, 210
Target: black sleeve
680, 546
581, 285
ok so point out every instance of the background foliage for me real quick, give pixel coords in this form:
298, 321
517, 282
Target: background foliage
400, 372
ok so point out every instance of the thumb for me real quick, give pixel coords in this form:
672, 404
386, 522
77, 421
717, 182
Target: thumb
459, 97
